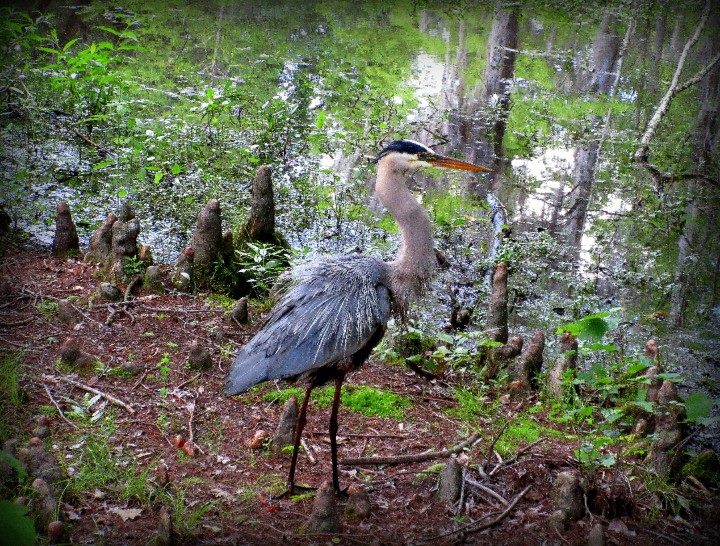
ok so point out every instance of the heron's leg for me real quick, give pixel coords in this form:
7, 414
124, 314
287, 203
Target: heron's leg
334, 429
298, 435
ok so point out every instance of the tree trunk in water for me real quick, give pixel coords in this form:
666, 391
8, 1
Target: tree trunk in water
558, 199
648, 94
706, 137
491, 105
454, 92
602, 79
605, 51
583, 176
676, 40
657, 53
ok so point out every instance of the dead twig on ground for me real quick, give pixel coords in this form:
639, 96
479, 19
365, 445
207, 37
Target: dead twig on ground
485, 489
308, 451
57, 406
23, 346
17, 323
475, 527
412, 458
36, 295
188, 381
360, 435
125, 303
491, 447
515, 457
109, 397
140, 380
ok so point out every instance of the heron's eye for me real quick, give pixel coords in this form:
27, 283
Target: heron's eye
425, 156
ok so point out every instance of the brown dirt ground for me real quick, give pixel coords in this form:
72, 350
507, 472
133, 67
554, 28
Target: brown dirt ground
239, 480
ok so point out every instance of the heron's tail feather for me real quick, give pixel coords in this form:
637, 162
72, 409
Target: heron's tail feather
247, 370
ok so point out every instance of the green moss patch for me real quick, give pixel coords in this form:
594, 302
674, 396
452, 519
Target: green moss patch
368, 401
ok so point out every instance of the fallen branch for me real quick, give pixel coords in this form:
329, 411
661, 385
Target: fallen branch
308, 451
130, 287
412, 458
420, 371
109, 397
102, 150
57, 406
486, 489
17, 323
474, 527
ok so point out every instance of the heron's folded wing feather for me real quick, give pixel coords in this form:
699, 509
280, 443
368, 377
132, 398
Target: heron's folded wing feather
329, 315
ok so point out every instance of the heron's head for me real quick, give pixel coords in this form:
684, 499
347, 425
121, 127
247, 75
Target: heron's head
410, 155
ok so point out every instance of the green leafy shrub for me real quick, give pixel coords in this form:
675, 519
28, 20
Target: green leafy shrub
261, 264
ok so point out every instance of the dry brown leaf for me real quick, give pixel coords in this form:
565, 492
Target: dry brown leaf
127, 513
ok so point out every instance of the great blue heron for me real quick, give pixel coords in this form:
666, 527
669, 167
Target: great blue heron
327, 324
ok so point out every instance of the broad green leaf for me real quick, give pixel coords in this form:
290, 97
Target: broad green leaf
636, 367
697, 406
17, 465
643, 405
608, 460
17, 527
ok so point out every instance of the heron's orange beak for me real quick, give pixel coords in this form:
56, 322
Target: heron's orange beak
452, 163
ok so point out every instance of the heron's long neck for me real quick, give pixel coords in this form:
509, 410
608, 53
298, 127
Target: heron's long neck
413, 267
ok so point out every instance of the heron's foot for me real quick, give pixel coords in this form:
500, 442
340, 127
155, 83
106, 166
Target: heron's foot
343, 493
294, 490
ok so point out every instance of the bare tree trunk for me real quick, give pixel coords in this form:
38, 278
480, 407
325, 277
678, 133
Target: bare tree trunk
605, 51
583, 176
218, 35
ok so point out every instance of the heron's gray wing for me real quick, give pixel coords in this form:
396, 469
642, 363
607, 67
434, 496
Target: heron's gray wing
333, 310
